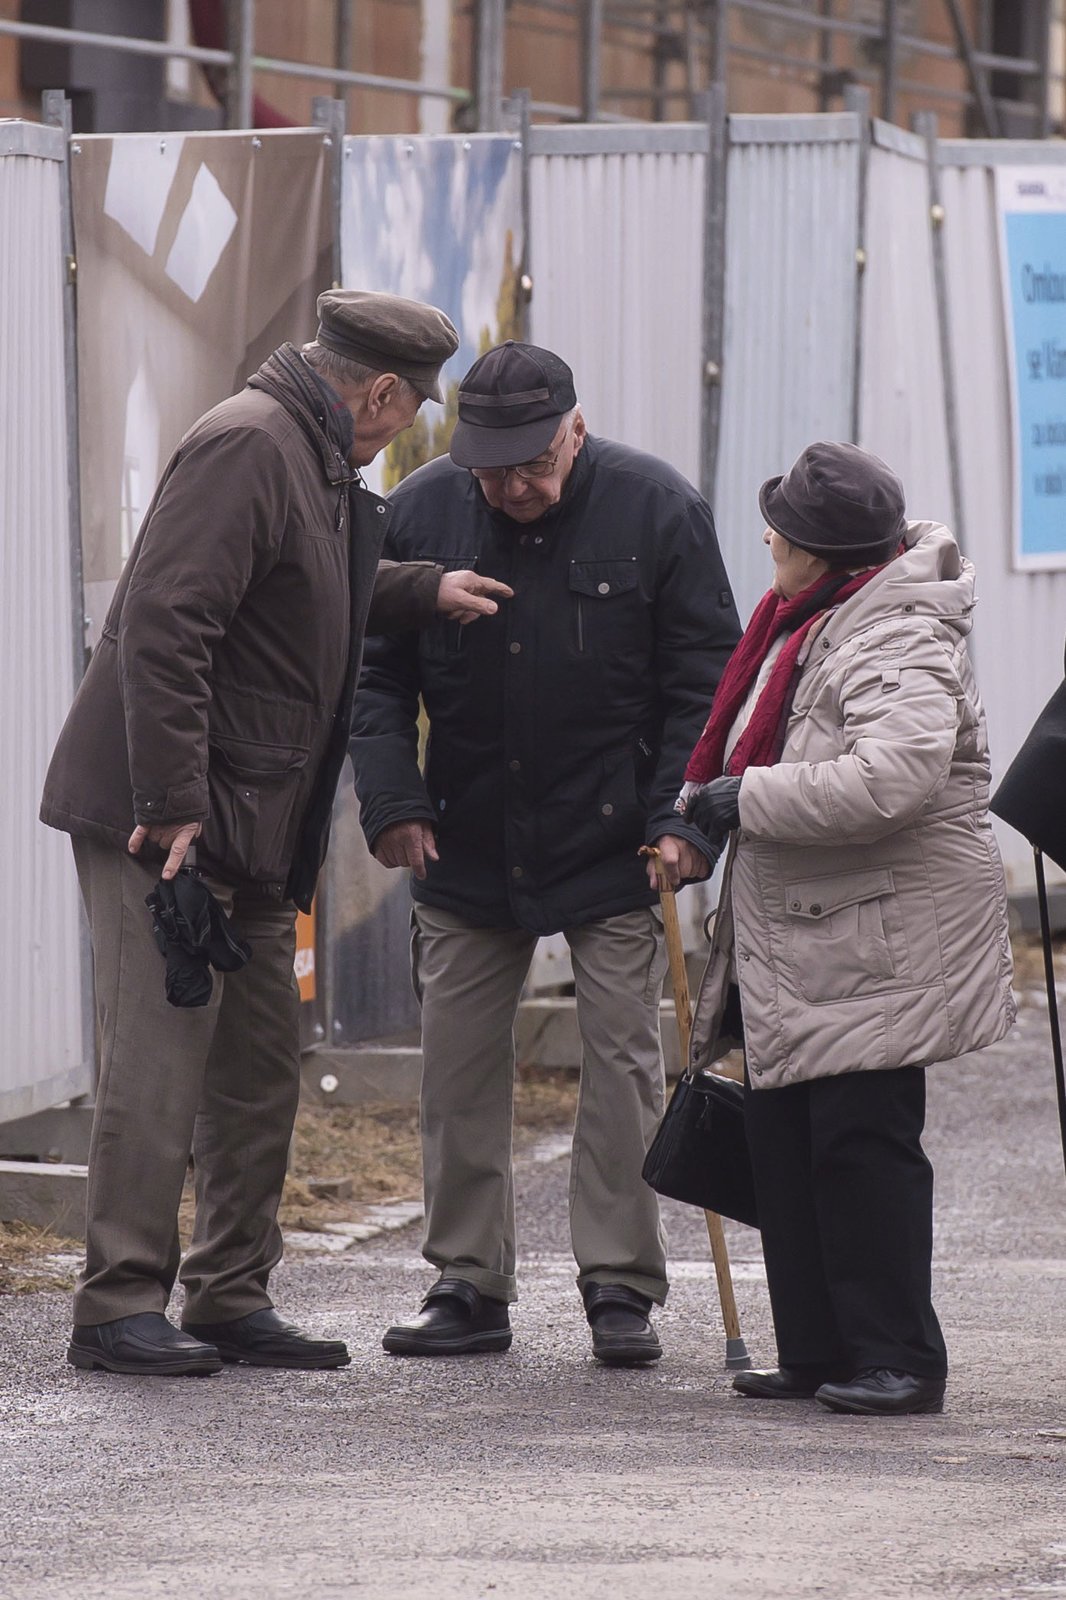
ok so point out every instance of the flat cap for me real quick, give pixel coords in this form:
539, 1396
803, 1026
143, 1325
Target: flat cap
388, 334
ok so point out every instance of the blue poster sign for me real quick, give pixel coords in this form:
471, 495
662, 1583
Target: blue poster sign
1032, 206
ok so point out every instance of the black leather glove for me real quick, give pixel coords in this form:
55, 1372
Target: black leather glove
715, 810
194, 934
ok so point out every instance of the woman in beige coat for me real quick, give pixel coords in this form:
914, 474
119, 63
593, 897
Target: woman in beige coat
862, 933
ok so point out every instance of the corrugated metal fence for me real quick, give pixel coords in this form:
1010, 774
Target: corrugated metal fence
852, 308
43, 1053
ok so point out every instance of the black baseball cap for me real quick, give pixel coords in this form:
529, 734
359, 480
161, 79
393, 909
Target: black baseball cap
510, 403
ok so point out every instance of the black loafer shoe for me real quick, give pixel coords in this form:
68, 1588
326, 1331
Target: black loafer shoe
146, 1344
622, 1334
263, 1339
781, 1383
884, 1392
455, 1320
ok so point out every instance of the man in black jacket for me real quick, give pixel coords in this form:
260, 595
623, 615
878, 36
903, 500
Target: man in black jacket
560, 729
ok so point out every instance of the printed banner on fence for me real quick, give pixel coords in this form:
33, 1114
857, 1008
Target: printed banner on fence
1032, 211
437, 219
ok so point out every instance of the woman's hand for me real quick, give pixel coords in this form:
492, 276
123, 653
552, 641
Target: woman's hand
715, 809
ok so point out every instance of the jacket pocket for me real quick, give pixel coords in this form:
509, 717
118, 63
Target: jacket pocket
605, 599
444, 638
253, 790
620, 813
845, 935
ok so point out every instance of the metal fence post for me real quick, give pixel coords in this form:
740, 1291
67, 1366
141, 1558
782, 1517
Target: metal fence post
714, 256
329, 115
240, 22
518, 113
488, 74
56, 112
857, 101
925, 125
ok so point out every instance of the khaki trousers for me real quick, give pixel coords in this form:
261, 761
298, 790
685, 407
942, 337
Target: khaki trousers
221, 1082
469, 981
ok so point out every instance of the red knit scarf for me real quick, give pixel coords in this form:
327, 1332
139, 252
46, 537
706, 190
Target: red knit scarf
761, 742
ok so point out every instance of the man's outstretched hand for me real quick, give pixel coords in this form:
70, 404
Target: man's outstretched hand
176, 837
465, 596
406, 844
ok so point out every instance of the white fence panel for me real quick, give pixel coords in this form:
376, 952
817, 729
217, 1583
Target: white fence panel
616, 235
792, 226
903, 416
42, 1056
1021, 619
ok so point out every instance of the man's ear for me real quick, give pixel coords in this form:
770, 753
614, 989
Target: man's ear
381, 392
580, 430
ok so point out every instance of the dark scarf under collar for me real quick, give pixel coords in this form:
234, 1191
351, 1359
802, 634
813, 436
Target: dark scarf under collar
319, 410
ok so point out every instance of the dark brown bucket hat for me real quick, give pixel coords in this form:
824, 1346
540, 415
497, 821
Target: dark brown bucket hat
838, 502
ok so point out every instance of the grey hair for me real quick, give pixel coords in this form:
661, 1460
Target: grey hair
339, 369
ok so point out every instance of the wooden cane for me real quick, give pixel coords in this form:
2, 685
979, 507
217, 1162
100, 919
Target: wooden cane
736, 1351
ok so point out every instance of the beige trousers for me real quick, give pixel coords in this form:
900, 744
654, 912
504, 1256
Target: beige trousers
221, 1082
469, 981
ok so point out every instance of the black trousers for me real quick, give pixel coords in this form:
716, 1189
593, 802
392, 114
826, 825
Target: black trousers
845, 1195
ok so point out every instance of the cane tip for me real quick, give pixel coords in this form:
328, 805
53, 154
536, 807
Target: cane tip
736, 1355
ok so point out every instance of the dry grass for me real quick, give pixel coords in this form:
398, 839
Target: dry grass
22, 1252
377, 1148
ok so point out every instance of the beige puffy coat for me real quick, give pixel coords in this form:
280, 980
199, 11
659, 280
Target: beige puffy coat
864, 912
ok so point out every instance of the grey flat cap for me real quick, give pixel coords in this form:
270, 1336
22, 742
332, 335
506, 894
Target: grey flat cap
388, 334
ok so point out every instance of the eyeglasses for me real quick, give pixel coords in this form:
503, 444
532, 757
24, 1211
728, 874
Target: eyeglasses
528, 471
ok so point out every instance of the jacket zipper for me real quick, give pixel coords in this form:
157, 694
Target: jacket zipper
580, 626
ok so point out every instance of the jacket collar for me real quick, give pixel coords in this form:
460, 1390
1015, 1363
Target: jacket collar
290, 381
929, 578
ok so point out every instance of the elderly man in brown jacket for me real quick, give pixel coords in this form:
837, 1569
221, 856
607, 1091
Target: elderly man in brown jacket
217, 709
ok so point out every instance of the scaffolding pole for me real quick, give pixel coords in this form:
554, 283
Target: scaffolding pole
488, 64
890, 68
240, 25
975, 71
591, 58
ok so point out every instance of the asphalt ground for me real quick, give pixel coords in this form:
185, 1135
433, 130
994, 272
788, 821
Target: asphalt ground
538, 1474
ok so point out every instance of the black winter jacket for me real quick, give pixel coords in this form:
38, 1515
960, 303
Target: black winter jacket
559, 728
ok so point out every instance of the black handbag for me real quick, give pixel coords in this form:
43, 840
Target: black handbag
700, 1152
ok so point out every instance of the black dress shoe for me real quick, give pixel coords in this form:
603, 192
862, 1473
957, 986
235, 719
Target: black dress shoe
884, 1392
622, 1334
455, 1320
781, 1383
146, 1344
263, 1339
